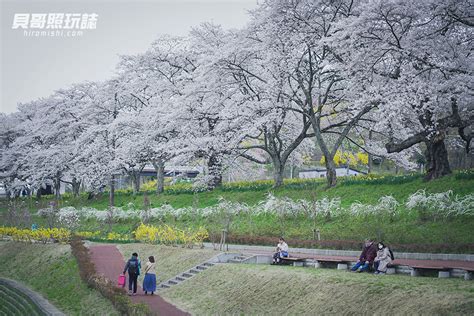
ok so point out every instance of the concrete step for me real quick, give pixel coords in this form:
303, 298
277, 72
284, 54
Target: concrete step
183, 276
241, 257
235, 261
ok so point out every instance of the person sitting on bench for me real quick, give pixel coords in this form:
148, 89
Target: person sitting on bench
383, 259
281, 251
366, 258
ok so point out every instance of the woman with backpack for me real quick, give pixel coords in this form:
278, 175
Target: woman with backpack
383, 259
149, 282
133, 267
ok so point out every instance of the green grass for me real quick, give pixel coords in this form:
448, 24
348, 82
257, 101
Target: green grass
52, 271
406, 228
271, 290
170, 261
365, 192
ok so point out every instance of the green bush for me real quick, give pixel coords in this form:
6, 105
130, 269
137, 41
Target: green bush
464, 174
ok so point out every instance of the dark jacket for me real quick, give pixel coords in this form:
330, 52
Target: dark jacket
368, 253
132, 262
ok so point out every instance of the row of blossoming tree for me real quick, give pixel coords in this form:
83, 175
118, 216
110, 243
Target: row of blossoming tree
390, 77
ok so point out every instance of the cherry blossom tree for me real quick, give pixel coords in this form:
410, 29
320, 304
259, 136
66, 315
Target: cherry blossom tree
296, 39
416, 57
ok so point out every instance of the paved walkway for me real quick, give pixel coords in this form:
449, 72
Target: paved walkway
109, 262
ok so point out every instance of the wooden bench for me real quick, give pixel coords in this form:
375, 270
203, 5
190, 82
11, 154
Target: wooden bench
295, 261
468, 272
443, 272
342, 264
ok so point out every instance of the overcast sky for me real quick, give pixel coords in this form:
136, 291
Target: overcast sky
33, 67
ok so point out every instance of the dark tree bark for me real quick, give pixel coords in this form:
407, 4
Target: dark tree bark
369, 161
278, 172
159, 166
135, 177
279, 154
57, 186
112, 191
436, 154
331, 172
76, 185
214, 165
437, 164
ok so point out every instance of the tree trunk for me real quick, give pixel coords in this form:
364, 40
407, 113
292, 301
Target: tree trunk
329, 158
8, 193
76, 185
369, 161
135, 176
112, 191
330, 172
279, 168
437, 164
57, 186
159, 165
214, 165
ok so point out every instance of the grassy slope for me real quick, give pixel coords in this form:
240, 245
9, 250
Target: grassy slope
52, 271
365, 193
252, 289
169, 260
405, 229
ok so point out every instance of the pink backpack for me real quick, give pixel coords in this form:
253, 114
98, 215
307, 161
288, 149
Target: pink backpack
121, 280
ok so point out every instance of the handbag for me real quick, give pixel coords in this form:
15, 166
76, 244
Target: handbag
121, 280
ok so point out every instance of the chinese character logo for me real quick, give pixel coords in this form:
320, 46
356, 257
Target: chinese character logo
54, 23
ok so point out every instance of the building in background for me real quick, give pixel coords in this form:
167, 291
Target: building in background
321, 173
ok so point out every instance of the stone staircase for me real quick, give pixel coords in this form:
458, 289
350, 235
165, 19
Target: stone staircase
239, 259
186, 275
221, 258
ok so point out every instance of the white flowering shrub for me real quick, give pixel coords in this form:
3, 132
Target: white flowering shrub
131, 206
69, 217
50, 214
442, 204
387, 205
433, 205
358, 208
324, 207
281, 207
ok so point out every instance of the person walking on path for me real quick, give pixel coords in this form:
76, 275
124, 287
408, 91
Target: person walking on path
383, 259
366, 258
149, 282
133, 266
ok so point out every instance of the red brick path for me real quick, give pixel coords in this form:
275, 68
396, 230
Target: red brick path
110, 263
